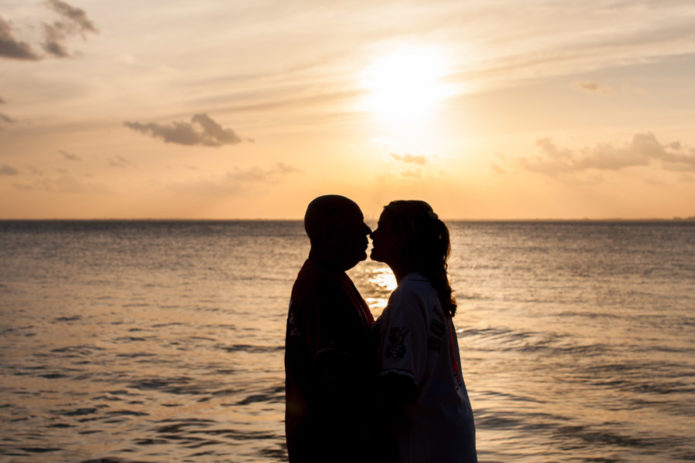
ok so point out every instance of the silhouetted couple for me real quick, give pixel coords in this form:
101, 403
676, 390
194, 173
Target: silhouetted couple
363, 391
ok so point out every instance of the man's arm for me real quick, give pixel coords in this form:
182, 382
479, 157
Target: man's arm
338, 333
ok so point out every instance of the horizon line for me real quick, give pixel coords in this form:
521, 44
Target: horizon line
262, 219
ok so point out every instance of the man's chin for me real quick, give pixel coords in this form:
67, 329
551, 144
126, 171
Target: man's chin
357, 258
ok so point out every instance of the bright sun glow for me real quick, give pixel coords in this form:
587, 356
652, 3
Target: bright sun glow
405, 85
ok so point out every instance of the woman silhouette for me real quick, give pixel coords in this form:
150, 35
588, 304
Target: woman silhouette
425, 399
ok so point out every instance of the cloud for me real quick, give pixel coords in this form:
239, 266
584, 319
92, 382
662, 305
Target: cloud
2, 100
412, 174
76, 17
409, 158
496, 167
202, 130
592, 87
11, 47
237, 180
62, 184
641, 151
70, 156
54, 38
5, 118
7, 170
258, 175
120, 161
73, 21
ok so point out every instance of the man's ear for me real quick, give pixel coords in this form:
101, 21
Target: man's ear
331, 239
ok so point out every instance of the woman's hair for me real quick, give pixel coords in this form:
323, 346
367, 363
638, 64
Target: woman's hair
427, 245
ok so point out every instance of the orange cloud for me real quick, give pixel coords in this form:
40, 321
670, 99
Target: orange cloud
641, 151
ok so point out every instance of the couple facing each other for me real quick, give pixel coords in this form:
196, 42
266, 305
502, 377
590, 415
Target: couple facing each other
362, 391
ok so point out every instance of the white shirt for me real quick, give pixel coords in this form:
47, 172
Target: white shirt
417, 340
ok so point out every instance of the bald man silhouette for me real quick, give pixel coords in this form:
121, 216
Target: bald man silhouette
328, 360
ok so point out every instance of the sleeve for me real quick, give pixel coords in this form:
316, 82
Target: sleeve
314, 308
324, 309
404, 336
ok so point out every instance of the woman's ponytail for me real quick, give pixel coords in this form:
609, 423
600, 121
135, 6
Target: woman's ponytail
427, 246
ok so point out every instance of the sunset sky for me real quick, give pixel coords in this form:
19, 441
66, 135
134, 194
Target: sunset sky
498, 109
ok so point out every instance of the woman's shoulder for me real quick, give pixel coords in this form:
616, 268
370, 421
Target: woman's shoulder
413, 289
415, 282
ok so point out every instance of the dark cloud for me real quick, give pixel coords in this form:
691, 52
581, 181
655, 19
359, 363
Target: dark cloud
73, 21
5, 118
410, 158
70, 156
202, 130
7, 170
641, 151
54, 40
11, 47
76, 17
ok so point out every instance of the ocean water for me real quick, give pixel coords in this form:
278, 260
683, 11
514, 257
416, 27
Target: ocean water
132, 341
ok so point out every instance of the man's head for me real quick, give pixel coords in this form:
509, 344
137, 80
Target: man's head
335, 226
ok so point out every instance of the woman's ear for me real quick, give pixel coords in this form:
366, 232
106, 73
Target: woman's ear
401, 238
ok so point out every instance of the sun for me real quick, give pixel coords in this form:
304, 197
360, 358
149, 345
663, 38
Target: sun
405, 85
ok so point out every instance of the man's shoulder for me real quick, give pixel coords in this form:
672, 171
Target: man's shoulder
316, 282
313, 275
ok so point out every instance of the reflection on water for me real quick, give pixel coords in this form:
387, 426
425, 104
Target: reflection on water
163, 341
379, 282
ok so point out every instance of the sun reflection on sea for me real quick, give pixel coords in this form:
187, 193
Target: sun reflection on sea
384, 278
376, 282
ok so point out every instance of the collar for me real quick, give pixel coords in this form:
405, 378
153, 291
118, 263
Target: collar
414, 276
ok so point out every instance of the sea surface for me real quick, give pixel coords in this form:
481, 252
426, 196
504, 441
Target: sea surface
162, 341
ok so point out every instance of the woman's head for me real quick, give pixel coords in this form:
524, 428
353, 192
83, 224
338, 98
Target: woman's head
411, 238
